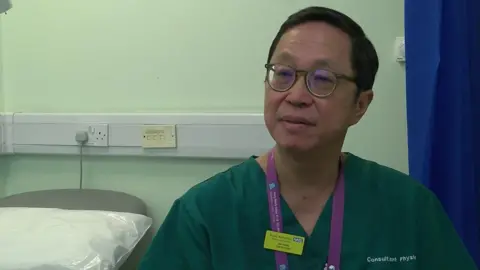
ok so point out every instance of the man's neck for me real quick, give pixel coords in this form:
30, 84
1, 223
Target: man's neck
316, 170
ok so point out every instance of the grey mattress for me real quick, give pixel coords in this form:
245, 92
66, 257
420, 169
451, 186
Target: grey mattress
87, 199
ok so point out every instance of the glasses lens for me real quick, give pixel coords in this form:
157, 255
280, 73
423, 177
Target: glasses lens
281, 77
321, 82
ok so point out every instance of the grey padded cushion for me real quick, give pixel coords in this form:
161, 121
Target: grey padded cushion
87, 199
75, 199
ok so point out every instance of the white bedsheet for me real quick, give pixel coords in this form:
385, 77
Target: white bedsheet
42, 238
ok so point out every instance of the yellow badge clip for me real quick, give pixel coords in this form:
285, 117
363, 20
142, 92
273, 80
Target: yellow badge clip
284, 242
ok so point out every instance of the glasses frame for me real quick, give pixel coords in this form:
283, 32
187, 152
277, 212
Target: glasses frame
306, 74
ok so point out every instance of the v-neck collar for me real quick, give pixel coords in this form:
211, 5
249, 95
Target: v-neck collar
318, 240
317, 243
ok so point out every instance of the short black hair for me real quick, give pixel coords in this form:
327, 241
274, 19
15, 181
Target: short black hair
364, 58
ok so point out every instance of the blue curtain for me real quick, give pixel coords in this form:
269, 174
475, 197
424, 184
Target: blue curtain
443, 107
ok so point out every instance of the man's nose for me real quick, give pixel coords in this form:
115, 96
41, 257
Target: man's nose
298, 95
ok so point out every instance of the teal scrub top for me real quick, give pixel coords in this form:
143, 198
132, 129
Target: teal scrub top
390, 222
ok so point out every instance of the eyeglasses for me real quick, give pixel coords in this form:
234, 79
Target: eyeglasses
320, 82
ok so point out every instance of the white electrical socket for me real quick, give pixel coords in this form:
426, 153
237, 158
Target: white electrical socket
400, 49
97, 135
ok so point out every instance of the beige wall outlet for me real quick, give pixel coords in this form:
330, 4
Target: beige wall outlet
159, 136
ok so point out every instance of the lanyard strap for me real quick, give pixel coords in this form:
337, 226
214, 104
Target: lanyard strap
276, 219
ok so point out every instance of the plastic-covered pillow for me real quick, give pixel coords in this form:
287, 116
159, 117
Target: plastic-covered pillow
54, 239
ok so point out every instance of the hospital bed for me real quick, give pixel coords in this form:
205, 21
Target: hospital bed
87, 199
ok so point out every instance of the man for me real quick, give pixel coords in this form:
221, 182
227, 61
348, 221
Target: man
305, 204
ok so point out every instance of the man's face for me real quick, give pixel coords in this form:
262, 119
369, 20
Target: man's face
308, 47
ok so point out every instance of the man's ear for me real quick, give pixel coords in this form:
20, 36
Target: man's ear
361, 105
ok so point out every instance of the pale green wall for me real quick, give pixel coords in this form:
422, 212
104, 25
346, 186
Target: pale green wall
158, 56
2, 97
3, 160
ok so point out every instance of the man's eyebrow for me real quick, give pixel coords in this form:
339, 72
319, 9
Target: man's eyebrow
321, 63
285, 56
288, 58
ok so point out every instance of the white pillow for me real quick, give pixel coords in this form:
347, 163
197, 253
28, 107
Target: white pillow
54, 239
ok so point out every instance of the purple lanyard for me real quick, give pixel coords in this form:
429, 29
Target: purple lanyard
276, 219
